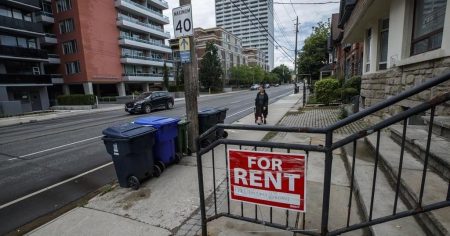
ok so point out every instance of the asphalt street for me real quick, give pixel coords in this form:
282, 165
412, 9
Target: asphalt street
49, 164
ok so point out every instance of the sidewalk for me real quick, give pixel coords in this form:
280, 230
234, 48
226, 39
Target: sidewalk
162, 206
30, 118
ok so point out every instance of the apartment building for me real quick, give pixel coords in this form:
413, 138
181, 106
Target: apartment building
239, 18
23, 82
229, 48
256, 57
108, 47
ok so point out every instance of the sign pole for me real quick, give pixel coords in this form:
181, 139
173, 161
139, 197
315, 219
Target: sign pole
182, 20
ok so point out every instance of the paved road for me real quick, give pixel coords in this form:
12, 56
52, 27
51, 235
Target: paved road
46, 165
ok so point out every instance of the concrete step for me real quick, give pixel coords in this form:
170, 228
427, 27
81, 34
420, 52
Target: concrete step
436, 222
441, 125
416, 143
383, 206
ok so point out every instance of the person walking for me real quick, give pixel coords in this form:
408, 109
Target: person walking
261, 106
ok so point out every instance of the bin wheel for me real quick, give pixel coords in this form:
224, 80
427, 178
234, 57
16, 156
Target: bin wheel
133, 182
156, 171
178, 157
147, 109
161, 165
225, 134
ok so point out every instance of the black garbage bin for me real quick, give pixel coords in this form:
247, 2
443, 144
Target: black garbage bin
208, 118
131, 148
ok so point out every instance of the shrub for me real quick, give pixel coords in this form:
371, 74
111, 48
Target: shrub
76, 99
326, 90
350, 88
342, 113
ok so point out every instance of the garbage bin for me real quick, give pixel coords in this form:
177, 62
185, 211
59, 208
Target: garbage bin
167, 132
182, 140
131, 149
209, 117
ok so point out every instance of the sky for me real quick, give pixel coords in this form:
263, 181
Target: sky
203, 14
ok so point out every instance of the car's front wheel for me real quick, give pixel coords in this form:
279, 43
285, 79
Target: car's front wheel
147, 109
169, 105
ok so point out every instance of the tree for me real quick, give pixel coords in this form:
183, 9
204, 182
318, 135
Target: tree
166, 76
179, 78
283, 73
314, 53
210, 69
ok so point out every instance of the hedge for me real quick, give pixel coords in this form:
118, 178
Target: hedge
76, 99
326, 90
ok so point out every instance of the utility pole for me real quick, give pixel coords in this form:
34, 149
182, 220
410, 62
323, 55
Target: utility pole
295, 57
191, 92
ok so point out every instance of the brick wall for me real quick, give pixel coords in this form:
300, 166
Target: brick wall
376, 87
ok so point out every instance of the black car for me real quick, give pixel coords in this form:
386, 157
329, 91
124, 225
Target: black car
148, 101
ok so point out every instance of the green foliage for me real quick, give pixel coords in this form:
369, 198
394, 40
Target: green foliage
283, 72
350, 88
165, 76
76, 99
325, 90
342, 113
179, 78
314, 53
210, 73
246, 75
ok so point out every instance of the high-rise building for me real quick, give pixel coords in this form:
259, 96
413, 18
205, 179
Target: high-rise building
244, 18
23, 82
111, 47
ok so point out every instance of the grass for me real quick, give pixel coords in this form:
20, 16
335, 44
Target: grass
270, 135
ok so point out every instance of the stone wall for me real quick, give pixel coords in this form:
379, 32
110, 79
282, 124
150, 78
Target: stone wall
376, 87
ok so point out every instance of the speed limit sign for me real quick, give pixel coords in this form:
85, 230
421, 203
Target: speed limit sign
182, 21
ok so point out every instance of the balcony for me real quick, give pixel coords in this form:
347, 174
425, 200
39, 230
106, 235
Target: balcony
49, 39
57, 78
31, 5
160, 4
21, 26
21, 79
144, 77
45, 17
54, 59
144, 44
17, 53
135, 25
136, 8
141, 60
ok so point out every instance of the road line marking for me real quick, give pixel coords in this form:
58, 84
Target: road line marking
14, 158
65, 145
53, 186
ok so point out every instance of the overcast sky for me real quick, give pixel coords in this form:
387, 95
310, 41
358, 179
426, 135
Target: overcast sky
204, 16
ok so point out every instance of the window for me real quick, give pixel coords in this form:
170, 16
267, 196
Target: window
384, 35
8, 40
27, 17
367, 51
66, 26
73, 67
17, 14
429, 18
63, 5
69, 47
17, 41
31, 43
22, 42
5, 11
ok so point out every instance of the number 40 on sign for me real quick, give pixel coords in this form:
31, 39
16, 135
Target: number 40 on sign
182, 21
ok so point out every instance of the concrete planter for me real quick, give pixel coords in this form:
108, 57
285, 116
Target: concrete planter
80, 107
124, 99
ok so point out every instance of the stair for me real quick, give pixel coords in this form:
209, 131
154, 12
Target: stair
441, 125
416, 143
384, 193
435, 222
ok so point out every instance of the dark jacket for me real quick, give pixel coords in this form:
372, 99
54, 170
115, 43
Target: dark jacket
260, 103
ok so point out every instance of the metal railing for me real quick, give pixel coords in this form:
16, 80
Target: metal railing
145, 58
122, 17
144, 41
329, 146
147, 9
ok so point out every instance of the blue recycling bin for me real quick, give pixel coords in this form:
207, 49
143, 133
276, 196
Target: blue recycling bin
130, 147
165, 138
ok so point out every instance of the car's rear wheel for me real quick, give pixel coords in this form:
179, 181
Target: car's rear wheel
169, 105
147, 109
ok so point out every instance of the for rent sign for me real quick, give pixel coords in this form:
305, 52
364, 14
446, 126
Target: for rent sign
267, 178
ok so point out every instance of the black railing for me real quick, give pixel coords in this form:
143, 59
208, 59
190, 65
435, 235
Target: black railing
25, 79
23, 52
329, 146
20, 24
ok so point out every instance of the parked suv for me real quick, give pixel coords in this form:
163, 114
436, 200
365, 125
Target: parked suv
148, 101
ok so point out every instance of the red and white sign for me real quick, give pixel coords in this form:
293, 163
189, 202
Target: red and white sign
268, 178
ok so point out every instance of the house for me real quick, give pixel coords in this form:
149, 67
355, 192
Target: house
406, 42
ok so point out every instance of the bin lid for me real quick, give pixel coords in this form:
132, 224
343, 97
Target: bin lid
127, 130
208, 111
156, 121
